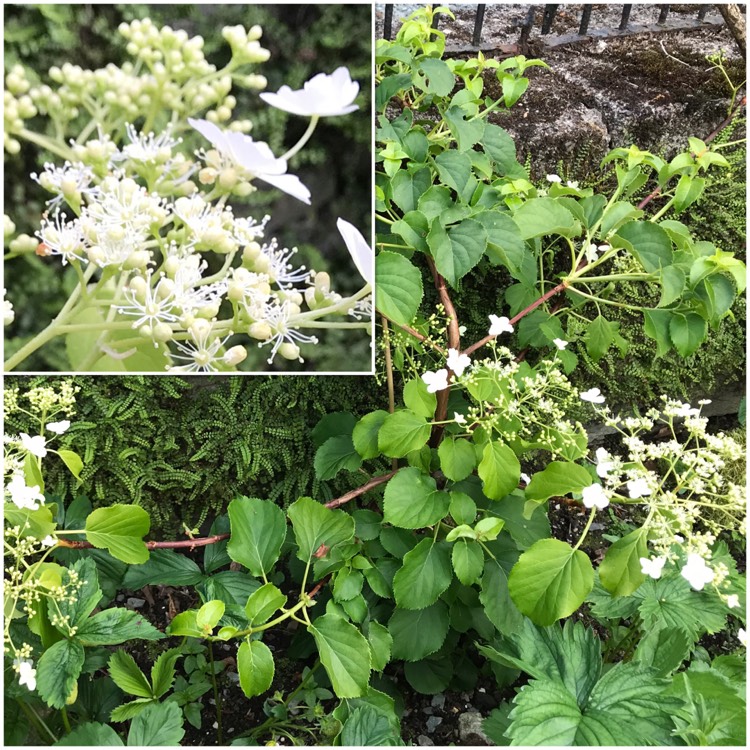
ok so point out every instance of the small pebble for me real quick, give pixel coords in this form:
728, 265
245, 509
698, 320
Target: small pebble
424, 740
438, 701
427, 710
121, 597
433, 723
135, 603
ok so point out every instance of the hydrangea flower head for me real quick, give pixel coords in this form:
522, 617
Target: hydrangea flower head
457, 362
593, 395
594, 496
652, 567
696, 572
500, 325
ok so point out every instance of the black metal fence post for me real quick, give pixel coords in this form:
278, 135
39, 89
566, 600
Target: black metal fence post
625, 17
388, 22
663, 15
478, 26
585, 20
549, 17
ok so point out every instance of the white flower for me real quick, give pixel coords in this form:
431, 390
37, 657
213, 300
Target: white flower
572, 184
638, 488
49, 541
500, 325
591, 253
26, 672
23, 495
322, 96
593, 395
59, 427
595, 496
560, 344
436, 381
284, 338
459, 418
604, 465
457, 362
254, 156
733, 601
652, 567
554, 178
9, 314
34, 445
359, 248
696, 572
742, 636
604, 248
147, 147
525, 478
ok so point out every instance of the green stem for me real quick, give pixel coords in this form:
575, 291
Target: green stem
65, 719
324, 324
217, 697
302, 141
52, 330
35, 719
574, 290
586, 528
341, 306
47, 143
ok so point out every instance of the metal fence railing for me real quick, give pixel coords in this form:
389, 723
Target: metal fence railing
585, 28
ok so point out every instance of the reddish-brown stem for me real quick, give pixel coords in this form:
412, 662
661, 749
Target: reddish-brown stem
454, 342
417, 335
314, 592
657, 191
182, 544
374, 482
550, 293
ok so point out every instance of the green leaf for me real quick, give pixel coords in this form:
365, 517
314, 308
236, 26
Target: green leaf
496, 600
399, 285
366, 726
418, 399
332, 424
157, 725
255, 666
57, 671
426, 573
648, 242
617, 215
87, 597
365, 435
687, 332
389, 87
403, 432
466, 133
458, 250
262, 603
208, 616
468, 561
344, 653
164, 566
457, 458
315, 525
656, 326
335, 454
539, 217
525, 531
73, 461
513, 89
599, 336
429, 676
407, 188
556, 479
506, 247
348, 585
620, 570
381, 643
499, 470
413, 228
185, 624
672, 280
434, 77
688, 190
663, 649
130, 710
418, 633
412, 500
34, 523
501, 148
550, 581
456, 172
162, 673
463, 509
435, 202
117, 625
120, 530
258, 531
127, 676
717, 293
90, 734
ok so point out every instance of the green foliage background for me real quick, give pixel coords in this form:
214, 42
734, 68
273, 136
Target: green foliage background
183, 448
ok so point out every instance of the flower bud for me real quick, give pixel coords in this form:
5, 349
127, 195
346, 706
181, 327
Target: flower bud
145, 332
250, 253
199, 329
235, 355
209, 311
228, 178
165, 288
171, 266
138, 259
289, 350
260, 330
162, 332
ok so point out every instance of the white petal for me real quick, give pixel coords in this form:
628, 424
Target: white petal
359, 249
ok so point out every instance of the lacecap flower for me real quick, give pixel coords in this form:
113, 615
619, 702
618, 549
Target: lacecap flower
322, 96
436, 381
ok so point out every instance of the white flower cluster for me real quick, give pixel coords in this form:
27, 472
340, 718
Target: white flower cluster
681, 479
